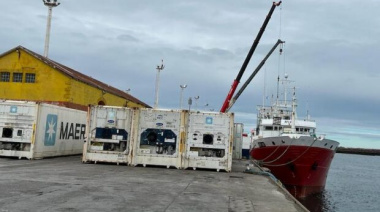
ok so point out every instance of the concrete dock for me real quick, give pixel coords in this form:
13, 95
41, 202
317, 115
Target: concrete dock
65, 184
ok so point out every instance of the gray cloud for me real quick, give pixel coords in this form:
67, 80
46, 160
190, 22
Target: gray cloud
127, 38
330, 51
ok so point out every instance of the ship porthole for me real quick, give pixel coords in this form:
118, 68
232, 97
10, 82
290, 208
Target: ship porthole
273, 143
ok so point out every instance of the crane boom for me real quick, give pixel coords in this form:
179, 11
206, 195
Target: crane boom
248, 58
233, 100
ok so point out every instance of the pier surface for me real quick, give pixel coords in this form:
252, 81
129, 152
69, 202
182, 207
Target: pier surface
65, 184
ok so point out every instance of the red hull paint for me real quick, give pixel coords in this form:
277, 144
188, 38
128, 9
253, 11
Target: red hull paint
302, 170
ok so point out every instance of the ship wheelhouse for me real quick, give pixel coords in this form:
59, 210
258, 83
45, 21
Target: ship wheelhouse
274, 121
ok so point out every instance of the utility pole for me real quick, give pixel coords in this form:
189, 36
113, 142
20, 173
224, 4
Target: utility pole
196, 102
181, 95
190, 102
159, 69
50, 4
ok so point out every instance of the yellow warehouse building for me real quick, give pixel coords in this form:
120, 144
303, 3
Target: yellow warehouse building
28, 76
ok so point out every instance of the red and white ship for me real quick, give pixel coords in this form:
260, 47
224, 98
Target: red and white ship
290, 148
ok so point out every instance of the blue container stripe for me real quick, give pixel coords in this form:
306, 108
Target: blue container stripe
50, 130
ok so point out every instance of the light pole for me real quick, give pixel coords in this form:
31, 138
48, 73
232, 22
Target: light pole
50, 4
159, 68
206, 105
181, 94
190, 101
196, 102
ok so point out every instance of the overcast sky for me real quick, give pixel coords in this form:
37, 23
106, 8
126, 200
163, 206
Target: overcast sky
331, 52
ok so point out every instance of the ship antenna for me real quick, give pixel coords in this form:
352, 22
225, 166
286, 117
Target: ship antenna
279, 59
294, 111
278, 84
271, 100
285, 89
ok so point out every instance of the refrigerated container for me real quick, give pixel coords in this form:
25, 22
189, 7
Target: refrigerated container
108, 134
35, 130
158, 137
209, 141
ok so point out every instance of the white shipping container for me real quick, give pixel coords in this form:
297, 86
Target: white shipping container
157, 139
109, 134
209, 141
247, 143
238, 141
37, 130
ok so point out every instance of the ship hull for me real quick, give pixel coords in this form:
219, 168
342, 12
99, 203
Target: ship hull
301, 164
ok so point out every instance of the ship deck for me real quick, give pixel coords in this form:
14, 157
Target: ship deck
65, 184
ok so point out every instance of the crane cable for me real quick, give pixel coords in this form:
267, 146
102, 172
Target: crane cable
279, 56
279, 36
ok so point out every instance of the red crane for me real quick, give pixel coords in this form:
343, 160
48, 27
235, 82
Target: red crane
248, 58
233, 100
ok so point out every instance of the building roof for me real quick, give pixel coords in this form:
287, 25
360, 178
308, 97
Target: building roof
79, 76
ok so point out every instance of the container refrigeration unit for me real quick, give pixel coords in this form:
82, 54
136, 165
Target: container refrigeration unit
209, 141
109, 135
158, 137
37, 130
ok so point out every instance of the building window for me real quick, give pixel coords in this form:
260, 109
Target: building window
30, 78
4, 76
17, 77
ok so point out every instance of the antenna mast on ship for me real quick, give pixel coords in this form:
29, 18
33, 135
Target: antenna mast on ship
278, 84
294, 105
285, 89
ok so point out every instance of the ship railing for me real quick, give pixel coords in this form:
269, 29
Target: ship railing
283, 103
270, 115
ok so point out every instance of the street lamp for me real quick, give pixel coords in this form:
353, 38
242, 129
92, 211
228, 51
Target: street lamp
206, 105
181, 94
50, 4
159, 68
190, 101
196, 102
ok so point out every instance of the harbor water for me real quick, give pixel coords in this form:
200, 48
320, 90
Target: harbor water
353, 184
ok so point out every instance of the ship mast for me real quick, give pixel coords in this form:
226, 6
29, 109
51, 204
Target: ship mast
294, 105
285, 90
